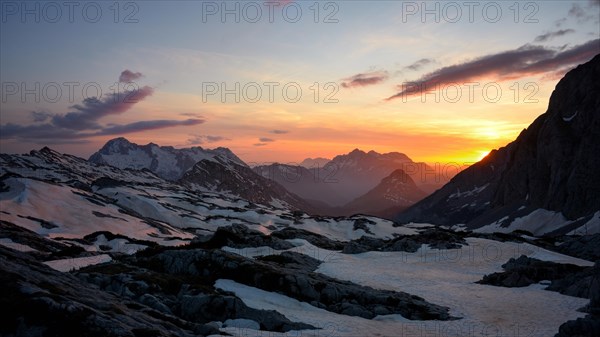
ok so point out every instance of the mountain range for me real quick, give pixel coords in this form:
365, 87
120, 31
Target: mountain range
156, 241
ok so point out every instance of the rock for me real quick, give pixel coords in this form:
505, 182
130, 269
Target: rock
240, 236
567, 279
293, 260
315, 239
551, 165
317, 289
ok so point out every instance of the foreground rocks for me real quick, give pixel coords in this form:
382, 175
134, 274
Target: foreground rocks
291, 275
588, 326
568, 279
436, 238
40, 301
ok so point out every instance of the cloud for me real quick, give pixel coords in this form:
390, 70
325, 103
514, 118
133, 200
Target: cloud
83, 121
266, 140
146, 126
279, 132
191, 114
129, 76
199, 139
419, 64
40, 116
550, 35
361, 80
92, 109
524, 61
260, 144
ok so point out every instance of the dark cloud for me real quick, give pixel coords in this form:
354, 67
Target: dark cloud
419, 64
361, 80
260, 144
146, 126
92, 109
40, 116
550, 35
199, 140
584, 14
57, 135
83, 121
279, 132
129, 76
525, 61
266, 140
191, 114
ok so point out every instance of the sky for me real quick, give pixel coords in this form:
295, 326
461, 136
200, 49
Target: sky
280, 81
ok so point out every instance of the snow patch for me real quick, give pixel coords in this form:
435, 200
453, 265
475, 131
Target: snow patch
66, 265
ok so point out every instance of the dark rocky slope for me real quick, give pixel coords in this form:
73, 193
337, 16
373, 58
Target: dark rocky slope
552, 165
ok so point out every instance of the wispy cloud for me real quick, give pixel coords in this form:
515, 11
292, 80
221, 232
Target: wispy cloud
129, 76
266, 140
524, 61
86, 114
201, 139
260, 144
365, 79
279, 132
418, 65
550, 35
83, 121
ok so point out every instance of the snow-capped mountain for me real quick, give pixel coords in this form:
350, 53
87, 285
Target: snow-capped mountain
166, 161
546, 180
394, 192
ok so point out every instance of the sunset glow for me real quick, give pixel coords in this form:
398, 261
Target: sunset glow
436, 90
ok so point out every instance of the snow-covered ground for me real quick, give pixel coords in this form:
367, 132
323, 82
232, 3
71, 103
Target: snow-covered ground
66, 265
6, 242
71, 213
444, 277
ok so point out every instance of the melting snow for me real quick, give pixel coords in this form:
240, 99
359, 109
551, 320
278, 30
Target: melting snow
66, 265
444, 277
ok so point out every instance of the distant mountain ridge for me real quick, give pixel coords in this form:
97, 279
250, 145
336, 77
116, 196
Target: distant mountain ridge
396, 191
347, 177
552, 166
166, 161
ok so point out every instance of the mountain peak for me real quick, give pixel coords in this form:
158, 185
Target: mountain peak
165, 161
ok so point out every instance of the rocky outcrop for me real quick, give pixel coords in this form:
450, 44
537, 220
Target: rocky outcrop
588, 326
40, 301
551, 165
436, 238
192, 299
585, 247
240, 236
568, 279
315, 239
277, 276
